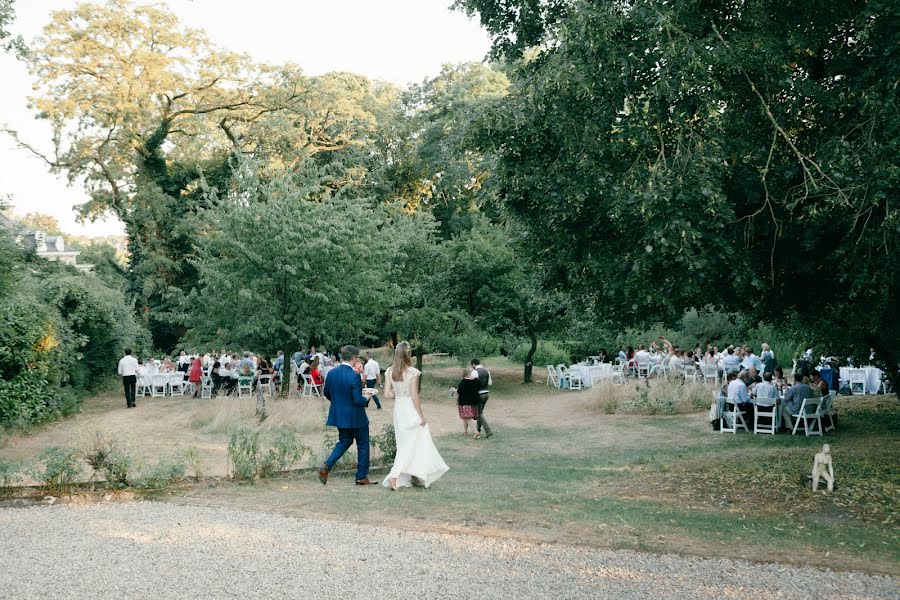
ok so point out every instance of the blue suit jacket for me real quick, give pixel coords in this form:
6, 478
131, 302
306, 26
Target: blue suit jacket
343, 388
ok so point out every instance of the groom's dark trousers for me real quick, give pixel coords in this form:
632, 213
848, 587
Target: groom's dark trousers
347, 412
346, 437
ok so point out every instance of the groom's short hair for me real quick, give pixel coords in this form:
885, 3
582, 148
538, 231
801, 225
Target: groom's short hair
349, 352
476, 362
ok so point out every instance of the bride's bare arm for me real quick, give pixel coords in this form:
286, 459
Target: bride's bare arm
388, 386
414, 390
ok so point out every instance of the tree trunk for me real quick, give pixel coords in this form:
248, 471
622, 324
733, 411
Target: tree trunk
419, 353
530, 356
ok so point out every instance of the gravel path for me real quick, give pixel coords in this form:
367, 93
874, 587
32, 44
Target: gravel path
161, 550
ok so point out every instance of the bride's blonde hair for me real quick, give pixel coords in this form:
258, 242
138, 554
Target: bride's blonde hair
401, 362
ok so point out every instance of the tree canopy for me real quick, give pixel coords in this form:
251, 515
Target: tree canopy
667, 155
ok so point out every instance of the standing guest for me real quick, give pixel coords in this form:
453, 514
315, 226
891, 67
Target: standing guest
278, 369
468, 399
793, 399
372, 372
484, 381
128, 366
184, 362
195, 375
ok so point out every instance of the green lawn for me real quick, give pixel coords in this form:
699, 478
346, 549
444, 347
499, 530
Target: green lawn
624, 481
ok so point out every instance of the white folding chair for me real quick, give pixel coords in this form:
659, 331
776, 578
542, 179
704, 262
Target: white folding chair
576, 380
552, 376
310, 389
176, 385
266, 383
732, 419
765, 408
144, 386
618, 373
810, 414
690, 373
710, 373
643, 369
206, 387
245, 386
857, 382
159, 384
562, 373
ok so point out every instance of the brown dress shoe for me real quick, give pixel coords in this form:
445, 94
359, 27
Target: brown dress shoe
366, 481
323, 474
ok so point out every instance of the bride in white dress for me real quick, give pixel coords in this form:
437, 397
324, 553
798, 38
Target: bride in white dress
417, 461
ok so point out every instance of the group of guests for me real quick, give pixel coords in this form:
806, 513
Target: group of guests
668, 357
747, 388
472, 394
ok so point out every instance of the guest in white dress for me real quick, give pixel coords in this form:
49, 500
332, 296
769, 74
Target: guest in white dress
418, 461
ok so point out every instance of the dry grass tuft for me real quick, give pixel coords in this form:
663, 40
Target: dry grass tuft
659, 396
226, 414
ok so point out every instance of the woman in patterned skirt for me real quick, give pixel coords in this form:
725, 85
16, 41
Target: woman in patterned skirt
467, 399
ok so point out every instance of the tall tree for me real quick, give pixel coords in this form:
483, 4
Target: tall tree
10, 42
666, 155
141, 106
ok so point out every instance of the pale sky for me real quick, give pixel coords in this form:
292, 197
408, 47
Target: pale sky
400, 41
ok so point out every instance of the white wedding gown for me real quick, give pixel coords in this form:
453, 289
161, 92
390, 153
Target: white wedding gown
416, 454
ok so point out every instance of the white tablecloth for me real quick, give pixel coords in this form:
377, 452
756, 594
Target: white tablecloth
873, 378
591, 374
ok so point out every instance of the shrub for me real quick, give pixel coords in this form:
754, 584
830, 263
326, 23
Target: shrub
8, 476
547, 353
61, 468
285, 451
167, 470
256, 455
111, 459
386, 443
192, 459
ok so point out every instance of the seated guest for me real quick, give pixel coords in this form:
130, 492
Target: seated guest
642, 355
753, 375
623, 356
216, 377
765, 389
709, 359
184, 362
603, 356
152, 367
315, 373
751, 360
819, 383
737, 392
732, 362
676, 364
793, 398
141, 368
778, 377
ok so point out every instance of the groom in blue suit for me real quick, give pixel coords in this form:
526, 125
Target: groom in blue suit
343, 388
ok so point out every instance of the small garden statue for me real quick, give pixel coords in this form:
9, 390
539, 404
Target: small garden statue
823, 469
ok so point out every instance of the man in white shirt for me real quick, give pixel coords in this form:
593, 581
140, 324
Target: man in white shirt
642, 356
372, 373
128, 366
152, 367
